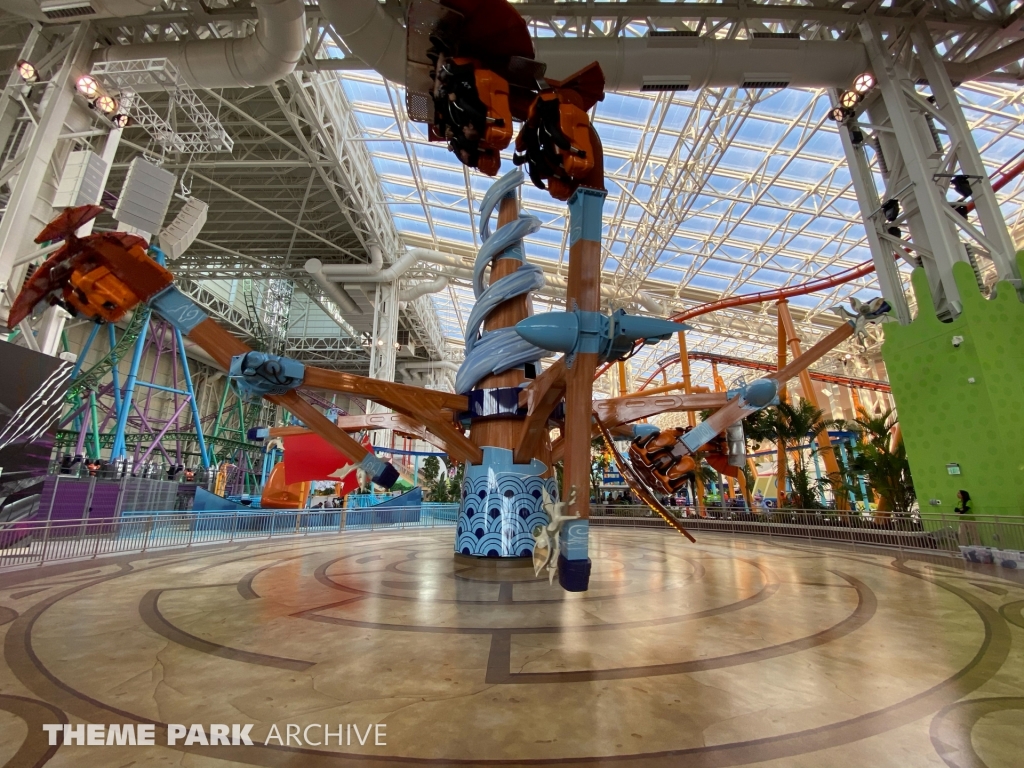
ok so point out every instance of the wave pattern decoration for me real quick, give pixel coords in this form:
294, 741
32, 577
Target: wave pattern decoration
501, 505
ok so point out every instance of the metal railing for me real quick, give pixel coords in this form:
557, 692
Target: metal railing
933, 532
38, 542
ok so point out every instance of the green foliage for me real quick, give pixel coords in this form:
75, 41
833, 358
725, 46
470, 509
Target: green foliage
600, 460
442, 487
884, 466
806, 493
792, 424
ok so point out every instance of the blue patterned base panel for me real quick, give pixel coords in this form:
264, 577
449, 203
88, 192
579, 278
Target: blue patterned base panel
501, 505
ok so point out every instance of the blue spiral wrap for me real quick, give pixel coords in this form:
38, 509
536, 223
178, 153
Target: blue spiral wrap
496, 351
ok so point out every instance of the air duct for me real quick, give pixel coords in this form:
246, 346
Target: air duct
332, 290
635, 63
60, 10
262, 58
370, 33
413, 292
660, 62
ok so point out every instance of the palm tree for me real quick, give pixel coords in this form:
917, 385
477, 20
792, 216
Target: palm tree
884, 465
790, 425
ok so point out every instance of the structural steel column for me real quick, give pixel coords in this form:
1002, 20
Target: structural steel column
886, 266
691, 419
991, 216
897, 91
16, 226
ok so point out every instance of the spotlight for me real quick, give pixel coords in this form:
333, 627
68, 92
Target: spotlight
27, 71
839, 114
849, 99
962, 185
864, 82
895, 232
88, 87
891, 209
106, 105
120, 120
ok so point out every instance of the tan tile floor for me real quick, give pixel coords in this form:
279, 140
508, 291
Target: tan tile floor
727, 652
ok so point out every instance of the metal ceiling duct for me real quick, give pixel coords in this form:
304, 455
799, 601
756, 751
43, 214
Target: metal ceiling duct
670, 62
73, 10
661, 62
262, 58
370, 33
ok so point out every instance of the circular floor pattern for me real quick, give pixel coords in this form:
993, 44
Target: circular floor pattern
727, 652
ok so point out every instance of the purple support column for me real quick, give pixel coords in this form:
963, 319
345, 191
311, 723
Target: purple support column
156, 442
80, 445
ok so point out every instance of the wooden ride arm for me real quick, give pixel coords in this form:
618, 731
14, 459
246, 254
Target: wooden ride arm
432, 408
735, 411
403, 398
539, 398
441, 435
222, 346
622, 410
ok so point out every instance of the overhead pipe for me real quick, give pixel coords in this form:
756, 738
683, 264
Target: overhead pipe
629, 64
689, 63
413, 292
332, 290
370, 33
455, 266
262, 58
961, 72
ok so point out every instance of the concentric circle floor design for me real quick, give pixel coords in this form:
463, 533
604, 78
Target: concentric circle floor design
731, 651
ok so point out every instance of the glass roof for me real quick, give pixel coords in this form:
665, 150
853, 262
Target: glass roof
710, 193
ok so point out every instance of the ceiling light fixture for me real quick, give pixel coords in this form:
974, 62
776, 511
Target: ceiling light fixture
106, 104
120, 120
864, 82
839, 114
88, 87
849, 99
27, 71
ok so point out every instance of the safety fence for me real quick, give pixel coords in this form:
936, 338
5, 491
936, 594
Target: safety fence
39, 542
934, 532
36, 543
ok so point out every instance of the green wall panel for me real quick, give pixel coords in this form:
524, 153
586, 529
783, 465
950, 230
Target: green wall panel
945, 417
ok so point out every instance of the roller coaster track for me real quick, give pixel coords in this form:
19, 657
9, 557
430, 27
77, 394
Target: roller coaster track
90, 379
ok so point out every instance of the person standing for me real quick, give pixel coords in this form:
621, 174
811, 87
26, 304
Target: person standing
968, 529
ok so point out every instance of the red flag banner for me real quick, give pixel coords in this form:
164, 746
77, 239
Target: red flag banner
310, 457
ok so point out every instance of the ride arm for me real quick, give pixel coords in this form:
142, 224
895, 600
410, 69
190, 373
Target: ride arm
231, 353
749, 400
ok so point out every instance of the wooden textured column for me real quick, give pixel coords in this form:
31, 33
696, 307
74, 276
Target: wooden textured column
691, 418
780, 476
584, 293
824, 441
502, 432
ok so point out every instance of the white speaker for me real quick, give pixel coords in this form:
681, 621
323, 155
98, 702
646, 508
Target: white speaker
144, 197
178, 236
